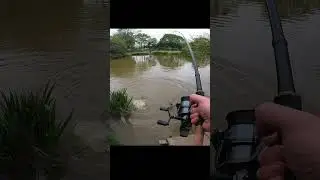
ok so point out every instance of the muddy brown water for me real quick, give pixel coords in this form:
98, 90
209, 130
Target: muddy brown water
157, 81
243, 63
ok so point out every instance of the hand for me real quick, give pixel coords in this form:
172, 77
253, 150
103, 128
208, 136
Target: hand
200, 108
300, 149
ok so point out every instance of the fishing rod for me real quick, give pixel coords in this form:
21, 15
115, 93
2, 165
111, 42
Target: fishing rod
286, 91
195, 67
183, 108
237, 147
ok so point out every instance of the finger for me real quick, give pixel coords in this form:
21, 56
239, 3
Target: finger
194, 118
273, 139
274, 171
206, 127
194, 109
198, 136
194, 121
196, 99
271, 118
194, 115
198, 140
270, 155
194, 105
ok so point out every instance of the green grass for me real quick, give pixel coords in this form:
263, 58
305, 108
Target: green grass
139, 53
112, 140
166, 52
121, 104
155, 53
143, 53
30, 133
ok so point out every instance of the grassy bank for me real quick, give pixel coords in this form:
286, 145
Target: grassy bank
30, 134
121, 104
144, 53
166, 53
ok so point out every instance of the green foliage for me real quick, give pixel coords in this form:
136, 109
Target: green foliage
200, 47
142, 53
30, 132
142, 39
164, 53
121, 104
118, 47
128, 36
122, 45
152, 43
171, 42
112, 140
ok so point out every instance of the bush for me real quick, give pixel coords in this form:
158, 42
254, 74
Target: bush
200, 47
121, 104
117, 47
29, 133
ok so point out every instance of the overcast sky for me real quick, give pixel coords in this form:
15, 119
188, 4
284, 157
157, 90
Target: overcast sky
158, 33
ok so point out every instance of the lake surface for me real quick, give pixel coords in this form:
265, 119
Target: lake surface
243, 63
158, 81
65, 41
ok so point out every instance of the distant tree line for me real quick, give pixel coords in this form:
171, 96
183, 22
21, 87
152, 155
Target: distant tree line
127, 42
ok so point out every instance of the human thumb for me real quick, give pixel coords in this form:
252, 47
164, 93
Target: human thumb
196, 99
272, 118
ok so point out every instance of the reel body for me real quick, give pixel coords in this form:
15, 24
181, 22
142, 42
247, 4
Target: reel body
236, 147
182, 113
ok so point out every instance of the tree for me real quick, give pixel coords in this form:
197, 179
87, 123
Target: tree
118, 46
171, 41
200, 47
128, 36
152, 43
142, 39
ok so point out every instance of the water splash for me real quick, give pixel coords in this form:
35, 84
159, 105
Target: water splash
140, 104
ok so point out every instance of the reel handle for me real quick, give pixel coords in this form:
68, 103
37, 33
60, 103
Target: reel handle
162, 108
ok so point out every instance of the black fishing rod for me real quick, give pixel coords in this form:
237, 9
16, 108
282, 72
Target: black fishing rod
183, 108
280, 47
237, 147
286, 91
195, 67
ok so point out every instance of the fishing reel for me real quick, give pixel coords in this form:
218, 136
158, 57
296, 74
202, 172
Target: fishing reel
236, 147
183, 114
